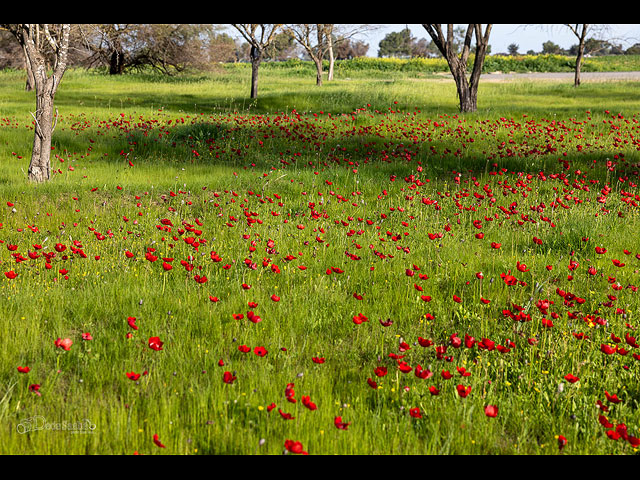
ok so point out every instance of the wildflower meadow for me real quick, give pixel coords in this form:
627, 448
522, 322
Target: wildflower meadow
351, 269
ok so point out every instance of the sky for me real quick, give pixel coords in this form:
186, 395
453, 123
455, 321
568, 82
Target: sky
527, 37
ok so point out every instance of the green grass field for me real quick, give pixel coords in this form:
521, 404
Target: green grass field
356, 267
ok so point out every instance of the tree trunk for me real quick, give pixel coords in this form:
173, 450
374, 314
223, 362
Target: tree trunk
317, 58
579, 58
467, 88
40, 166
468, 99
318, 62
30, 83
116, 64
331, 57
466, 94
256, 58
580, 31
474, 80
46, 86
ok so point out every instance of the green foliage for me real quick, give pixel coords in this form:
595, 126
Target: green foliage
396, 44
493, 63
528, 63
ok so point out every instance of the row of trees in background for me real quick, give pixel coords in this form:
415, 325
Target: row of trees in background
172, 48
47, 50
318, 40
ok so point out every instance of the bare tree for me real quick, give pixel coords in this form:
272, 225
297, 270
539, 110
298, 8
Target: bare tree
259, 36
467, 88
319, 40
312, 37
337, 34
328, 33
580, 31
108, 42
38, 40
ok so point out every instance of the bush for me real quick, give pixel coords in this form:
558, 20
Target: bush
493, 63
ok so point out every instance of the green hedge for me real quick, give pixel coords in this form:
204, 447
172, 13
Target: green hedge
493, 63
528, 63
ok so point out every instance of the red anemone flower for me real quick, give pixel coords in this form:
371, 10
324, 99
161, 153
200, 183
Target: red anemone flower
463, 391
415, 412
285, 415
612, 398
155, 343
306, 401
491, 411
571, 378
423, 373
359, 319
340, 424
404, 367
380, 371
294, 447
606, 349
562, 442
64, 344
156, 440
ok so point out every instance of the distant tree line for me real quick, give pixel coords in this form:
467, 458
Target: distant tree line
167, 48
403, 44
172, 48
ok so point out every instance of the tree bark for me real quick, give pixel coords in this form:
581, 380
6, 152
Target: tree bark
332, 59
256, 59
30, 83
318, 62
576, 81
259, 36
40, 166
116, 63
319, 55
582, 35
46, 87
580, 31
467, 88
